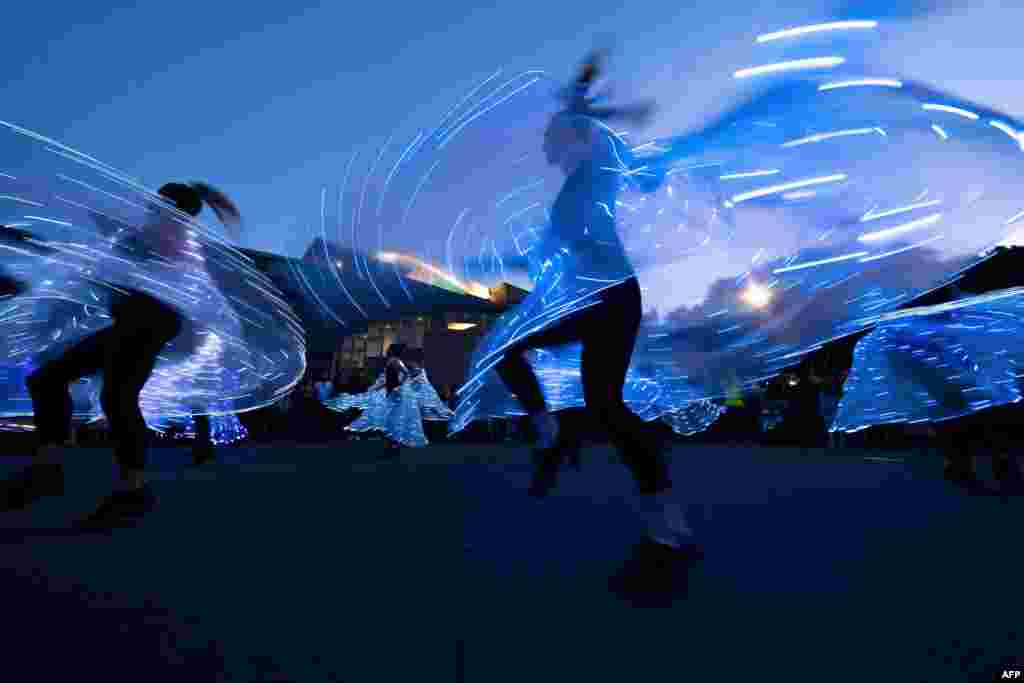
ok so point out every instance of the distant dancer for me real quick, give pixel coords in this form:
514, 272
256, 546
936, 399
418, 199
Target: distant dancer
389, 407
433, 408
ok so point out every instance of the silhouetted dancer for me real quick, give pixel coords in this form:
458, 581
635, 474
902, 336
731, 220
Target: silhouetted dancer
596, 162
126, 353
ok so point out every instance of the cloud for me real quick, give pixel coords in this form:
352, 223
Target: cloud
901, 10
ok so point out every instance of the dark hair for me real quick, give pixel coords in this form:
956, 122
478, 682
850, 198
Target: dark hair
190, 197
579, 99
395, 351
414, 356
184, 197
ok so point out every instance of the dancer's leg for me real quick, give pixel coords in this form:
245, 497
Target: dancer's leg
520, 379
607, 350
51, 403
202, 424
126, 371
48, 386
202, 448
522, 382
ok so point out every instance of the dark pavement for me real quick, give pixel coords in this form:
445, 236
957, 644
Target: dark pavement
320, 564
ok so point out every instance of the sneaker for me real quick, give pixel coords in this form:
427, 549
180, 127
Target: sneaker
685, 551
547, 462
959, 474
31, 484
545, 471
201, 455
120, 509
656, 574
392, 449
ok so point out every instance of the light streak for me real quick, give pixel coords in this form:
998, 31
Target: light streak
951, 110
785, 187
901, 229
793, 65
821, 137
861, 82
817, 28
821, 262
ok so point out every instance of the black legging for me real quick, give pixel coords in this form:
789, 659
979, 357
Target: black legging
607, 332
126, 353
204, 435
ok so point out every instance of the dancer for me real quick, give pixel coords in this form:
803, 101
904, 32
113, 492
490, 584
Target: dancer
371, 397
583, 226
953, 365
390, 406
126, 353
403, 421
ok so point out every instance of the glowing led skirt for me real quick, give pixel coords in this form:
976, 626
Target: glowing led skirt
241, 346
937, 363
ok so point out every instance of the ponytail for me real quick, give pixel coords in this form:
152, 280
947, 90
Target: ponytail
581, 101
189, 198
226, 210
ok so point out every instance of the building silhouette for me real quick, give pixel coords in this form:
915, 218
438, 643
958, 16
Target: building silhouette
354, 305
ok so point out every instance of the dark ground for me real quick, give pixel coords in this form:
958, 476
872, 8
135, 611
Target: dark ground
290, 563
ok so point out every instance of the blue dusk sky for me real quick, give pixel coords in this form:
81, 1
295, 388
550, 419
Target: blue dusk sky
269, 100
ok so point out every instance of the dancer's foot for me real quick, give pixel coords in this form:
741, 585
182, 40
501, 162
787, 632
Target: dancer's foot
201, 455
960, 475
548, 461
656, 574
546, 430
392, 449
683, 548
122, 508
36, 481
